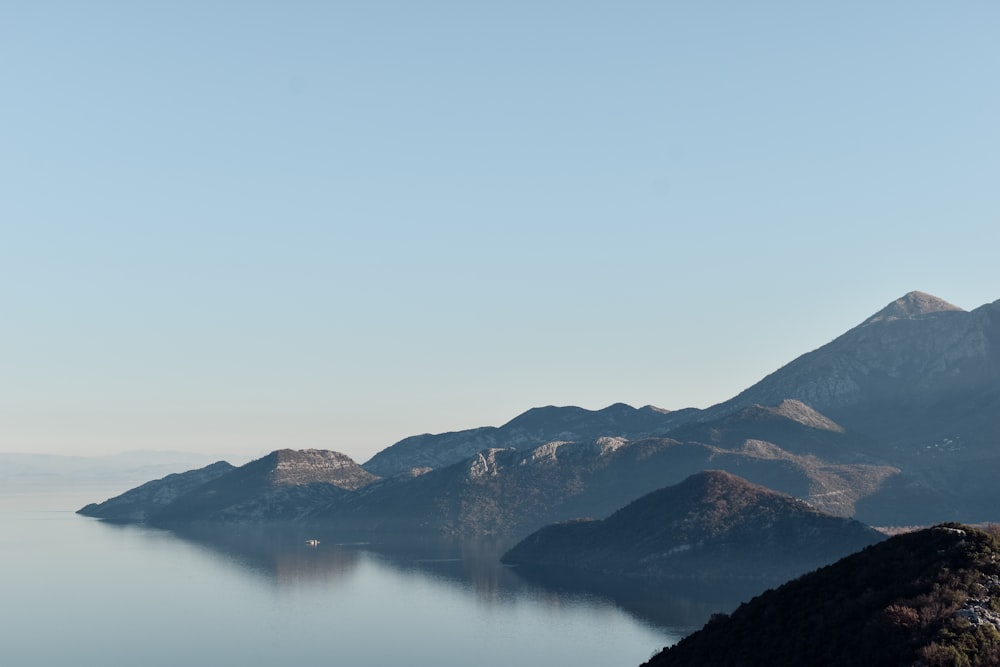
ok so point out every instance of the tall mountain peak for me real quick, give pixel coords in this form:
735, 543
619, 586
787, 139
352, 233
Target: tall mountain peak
911, 306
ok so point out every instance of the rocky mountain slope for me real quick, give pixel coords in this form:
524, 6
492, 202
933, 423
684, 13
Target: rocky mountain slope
711, 525
920, 381
283, 485
526, 431
926, 598
919, 376
510, 492
142, 502
799, 428
915, 387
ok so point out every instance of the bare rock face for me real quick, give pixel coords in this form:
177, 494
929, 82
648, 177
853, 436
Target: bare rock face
912, 306
487, 463
799, 412
310, 466
534, 427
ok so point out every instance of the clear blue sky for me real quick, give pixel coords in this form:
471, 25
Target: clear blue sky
239, 226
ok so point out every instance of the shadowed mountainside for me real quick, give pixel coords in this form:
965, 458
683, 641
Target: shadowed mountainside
927, 598
142, 502
711, 525
511, 493
919, 377
282, 485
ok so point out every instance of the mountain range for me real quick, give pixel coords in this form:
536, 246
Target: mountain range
894, 422
535, 427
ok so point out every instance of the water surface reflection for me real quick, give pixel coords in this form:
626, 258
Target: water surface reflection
282, 555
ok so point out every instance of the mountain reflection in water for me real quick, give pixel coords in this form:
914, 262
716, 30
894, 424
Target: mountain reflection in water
280, 553
254, 595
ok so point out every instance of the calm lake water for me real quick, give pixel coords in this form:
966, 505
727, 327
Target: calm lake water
75, 591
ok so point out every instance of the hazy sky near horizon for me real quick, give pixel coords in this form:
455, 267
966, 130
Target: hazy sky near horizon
233, 227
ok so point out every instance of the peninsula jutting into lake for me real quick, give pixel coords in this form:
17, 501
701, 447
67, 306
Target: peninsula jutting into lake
893, 423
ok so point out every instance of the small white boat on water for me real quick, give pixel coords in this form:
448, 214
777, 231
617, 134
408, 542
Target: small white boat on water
312, 543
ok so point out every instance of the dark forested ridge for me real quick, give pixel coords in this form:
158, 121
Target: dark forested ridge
930, 597
711, 525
